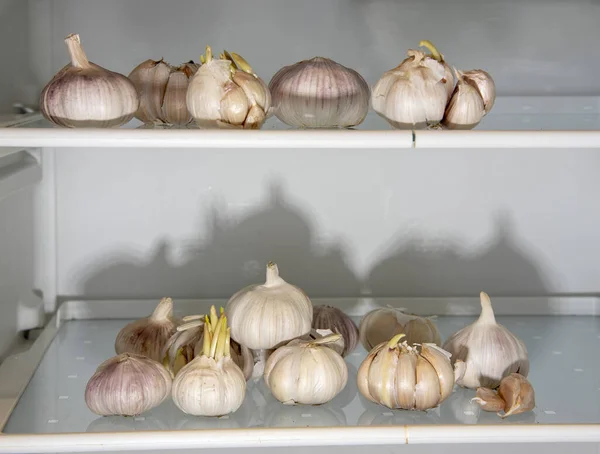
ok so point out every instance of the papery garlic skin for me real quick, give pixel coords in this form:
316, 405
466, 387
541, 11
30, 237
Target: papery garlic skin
149, 336
306, 372
127, 385
83, 94
319, 93
332, 318
413, 95
382, 324
262, 316
315, 334
489, 350
484, 83
206, 387
465, 109
226, 93
162, 89
449, 80
400, 376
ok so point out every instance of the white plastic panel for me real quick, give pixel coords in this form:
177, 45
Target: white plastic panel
134, 223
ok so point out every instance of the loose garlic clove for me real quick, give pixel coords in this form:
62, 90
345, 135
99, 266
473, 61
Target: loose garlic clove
306, 372
332, 318
149, 335
83, 94
382, 324
263, 316
226, 93
489, 350
127, 385
398, 375
484, 83
319, 93
414, 94
517, 393
489, 400
212, 384
465, 109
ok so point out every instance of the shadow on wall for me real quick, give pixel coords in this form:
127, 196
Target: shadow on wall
234, 255
502, 268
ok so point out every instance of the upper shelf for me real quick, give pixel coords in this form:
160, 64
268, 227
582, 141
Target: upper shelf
514, 122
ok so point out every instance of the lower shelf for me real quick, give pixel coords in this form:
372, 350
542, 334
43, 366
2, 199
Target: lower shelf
565, 359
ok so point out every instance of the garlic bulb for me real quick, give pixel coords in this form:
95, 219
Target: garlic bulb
398, 375
319, 93
162, 89
306, 372
450, 82
414, 94
188, 342
327, 317
128, 385
382, 324
263, 316
484, 83
465, 109
489, 350
211, 384
515, 395
83, 94
226, 93
149, 335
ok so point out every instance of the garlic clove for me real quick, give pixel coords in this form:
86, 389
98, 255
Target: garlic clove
465, 109
489, 400
83, 94
150, 79
327, 317
363, 373
254, 89
382, 375
427, 390
440, 360
150, 335
255, 118
406, 381
449, 81
127, 385
517, 393
174, 110
484, 83
319, 93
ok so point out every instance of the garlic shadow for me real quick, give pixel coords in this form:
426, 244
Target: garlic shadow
231, 255
280, 415
503, 267
377, 415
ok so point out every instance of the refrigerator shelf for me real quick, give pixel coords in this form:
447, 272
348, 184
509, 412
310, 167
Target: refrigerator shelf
514, 122
42, 407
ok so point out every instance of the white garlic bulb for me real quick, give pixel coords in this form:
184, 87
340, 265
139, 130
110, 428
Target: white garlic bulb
319, 93
490, 351
382, 324
226, 93
188, 342
515, 396
127, 385
398, 375
162, 89
149, 335
484, 83
306, 372
465, 109
332, 318
263, 316
211, 384
83, 94
413, 95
